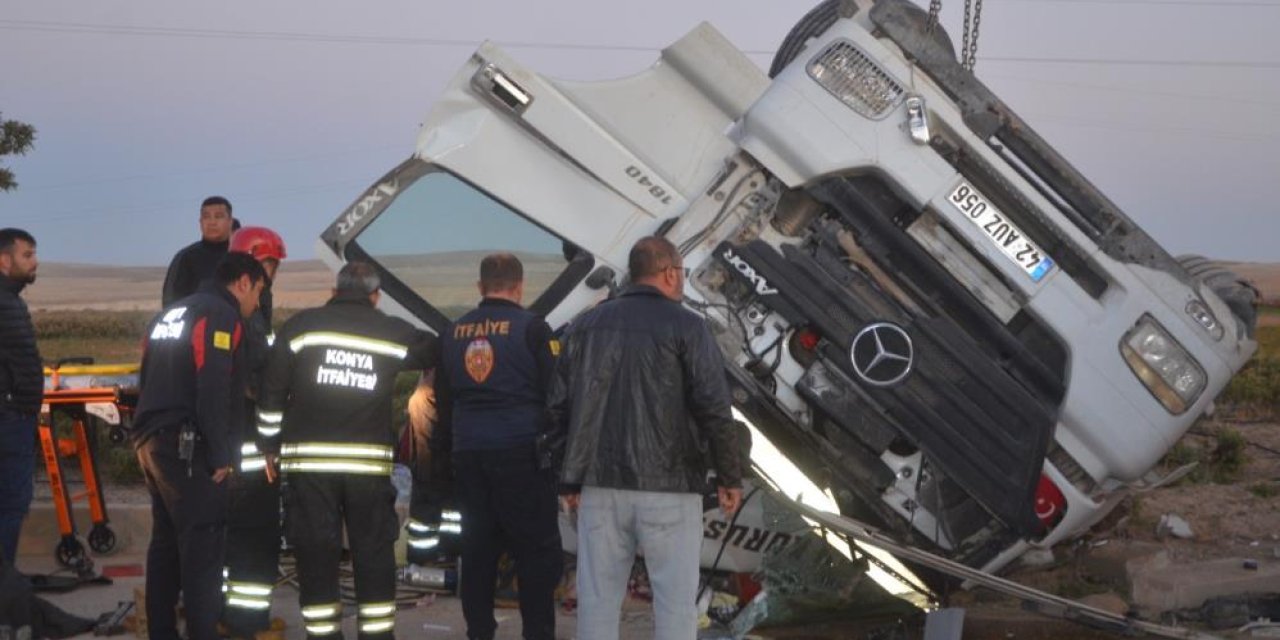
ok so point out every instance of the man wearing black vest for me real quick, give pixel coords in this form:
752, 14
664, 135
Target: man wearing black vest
21, 386
496, 364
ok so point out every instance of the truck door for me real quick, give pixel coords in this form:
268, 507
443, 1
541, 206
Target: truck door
565, 175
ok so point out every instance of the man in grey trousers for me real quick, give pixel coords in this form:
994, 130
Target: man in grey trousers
641, 408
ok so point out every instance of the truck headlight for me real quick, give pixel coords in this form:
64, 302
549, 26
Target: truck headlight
1163, 365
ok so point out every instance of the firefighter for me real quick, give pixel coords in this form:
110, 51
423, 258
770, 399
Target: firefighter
192, 396
328, 389
495, 368
253, 517
434, 527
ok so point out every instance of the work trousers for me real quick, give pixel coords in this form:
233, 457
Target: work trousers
17, 466
253, 552
507, 503
434, 527
188, 534
612, 525
317, 505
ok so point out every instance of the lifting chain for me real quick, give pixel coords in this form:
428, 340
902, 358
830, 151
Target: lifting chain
972, 20
935, 6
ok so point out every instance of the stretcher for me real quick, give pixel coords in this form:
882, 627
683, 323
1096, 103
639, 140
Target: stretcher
78, 389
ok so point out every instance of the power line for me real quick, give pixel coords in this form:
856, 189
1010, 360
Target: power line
82, 28
100, 29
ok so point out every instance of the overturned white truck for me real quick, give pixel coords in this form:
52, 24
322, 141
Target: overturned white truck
921, 303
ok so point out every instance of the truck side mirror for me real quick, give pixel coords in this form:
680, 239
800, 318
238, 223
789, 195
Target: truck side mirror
601, 278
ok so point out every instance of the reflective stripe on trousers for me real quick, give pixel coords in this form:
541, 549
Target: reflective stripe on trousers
378, 617
269, 423
251, 459
424, 536
248, 595
322, 619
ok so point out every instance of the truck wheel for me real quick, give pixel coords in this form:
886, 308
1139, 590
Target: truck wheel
819, 19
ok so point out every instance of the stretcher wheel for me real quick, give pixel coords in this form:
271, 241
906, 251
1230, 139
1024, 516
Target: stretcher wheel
70, 553
102, 539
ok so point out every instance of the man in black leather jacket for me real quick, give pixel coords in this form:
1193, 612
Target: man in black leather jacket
641, 401
21, 385
194, 263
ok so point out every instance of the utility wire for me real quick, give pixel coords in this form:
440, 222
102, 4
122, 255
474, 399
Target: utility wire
100, 29
83, 28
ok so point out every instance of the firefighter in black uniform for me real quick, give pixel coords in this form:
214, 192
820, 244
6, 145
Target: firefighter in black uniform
186, 436
496, 363
328, 387
434, 528
253, 517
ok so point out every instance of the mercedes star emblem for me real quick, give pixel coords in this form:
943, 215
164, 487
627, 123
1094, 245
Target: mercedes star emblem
882, 354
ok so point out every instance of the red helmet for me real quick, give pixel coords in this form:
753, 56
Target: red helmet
259, 242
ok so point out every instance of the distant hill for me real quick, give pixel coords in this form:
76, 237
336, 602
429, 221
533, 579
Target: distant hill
450, 276
1264, 275
67, 286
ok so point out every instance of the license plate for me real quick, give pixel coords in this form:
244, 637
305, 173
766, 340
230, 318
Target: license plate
997, 227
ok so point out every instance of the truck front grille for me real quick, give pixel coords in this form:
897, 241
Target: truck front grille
856, 80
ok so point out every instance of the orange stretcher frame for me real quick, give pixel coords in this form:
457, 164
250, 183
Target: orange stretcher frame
70, 551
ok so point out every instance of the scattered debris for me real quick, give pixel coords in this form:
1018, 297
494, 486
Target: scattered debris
112, 622
1037, 558
1109, 602
1173, 525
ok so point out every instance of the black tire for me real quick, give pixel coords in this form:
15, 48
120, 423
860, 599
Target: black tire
102, 539
819, 19
69, 553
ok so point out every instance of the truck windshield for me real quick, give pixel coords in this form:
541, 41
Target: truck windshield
433, 236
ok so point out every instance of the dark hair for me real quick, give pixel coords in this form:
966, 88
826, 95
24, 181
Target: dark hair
235, 265
650, 255
358, 278
10, 236
500, 272
212, 200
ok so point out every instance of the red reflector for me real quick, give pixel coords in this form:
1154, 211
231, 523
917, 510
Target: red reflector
808, 340
1051, 505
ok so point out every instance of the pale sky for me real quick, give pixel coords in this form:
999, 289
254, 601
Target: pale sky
290, 108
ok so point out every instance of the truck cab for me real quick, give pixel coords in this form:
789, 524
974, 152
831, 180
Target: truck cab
921, 303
